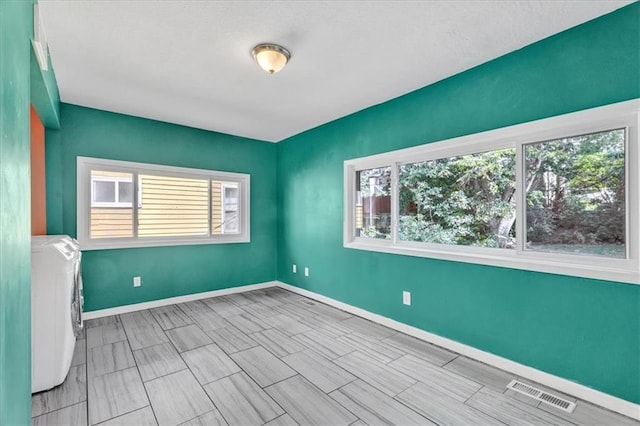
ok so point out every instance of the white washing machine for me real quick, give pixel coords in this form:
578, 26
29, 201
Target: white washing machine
56, 308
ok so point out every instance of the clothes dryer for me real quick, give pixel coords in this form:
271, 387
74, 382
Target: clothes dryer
56, 308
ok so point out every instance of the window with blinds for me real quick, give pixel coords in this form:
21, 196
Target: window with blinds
123, 204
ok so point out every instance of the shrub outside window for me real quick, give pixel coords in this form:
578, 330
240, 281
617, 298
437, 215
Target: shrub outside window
174, 206
557, 195
464, 200
576, 195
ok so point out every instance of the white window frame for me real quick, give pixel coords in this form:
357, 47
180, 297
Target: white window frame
615, 116
84, 204
223, 211
116, 180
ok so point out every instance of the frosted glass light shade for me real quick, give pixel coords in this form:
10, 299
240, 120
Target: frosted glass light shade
271, 57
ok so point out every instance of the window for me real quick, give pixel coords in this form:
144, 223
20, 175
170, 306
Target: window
111, 189
230, 210
576, 195
373, 203
557, 195
464, 200
173, 205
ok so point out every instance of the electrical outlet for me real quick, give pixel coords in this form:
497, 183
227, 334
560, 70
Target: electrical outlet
306, 272
406, 298
137, 281
295, 268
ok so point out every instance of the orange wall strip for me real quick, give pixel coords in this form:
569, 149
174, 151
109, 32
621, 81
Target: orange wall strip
38, 183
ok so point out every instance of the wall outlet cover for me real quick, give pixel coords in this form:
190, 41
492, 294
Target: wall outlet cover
406, 298
295, 268
137, 281
306, 272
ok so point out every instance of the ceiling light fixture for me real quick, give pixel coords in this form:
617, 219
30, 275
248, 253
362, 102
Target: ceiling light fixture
270, 57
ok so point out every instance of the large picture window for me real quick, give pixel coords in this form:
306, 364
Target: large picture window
123, 204
557, 195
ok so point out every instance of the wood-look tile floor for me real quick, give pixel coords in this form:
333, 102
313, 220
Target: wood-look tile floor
272, 357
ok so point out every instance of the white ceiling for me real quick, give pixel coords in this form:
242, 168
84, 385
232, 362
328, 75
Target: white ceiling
189, 62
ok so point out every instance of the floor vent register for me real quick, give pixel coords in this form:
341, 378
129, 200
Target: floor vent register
542, 396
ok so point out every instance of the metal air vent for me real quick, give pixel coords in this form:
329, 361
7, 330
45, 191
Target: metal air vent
542, 396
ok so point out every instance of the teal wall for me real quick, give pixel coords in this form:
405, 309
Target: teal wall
165, 271
16, 29
584, 330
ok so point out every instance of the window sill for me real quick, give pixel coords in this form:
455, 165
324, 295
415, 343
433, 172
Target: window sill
507, 259
109, 244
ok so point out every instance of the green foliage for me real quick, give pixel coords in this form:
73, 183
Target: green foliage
459, 200
575, 195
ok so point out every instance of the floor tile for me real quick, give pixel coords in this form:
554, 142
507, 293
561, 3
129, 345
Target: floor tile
248, 323
479, 372
376, 349
327, 311
99, 322
327, 346
142, 330
105, 332
79, 352
321, 372
209, 363
277, 342
231, 340
307, 404
259, 310
295, 309
375, 373
262, 366
109, 358
271, 299
222, 308
72, 391
330, 328
203, 316
188, 337
141, 417
159, 360
443, 409
241, 401
72, 415
177, 398
212, 418
170, 317
436, 378
283, 420
239, 299
282, 294
286, 324
511, 411
420, 348
374, 407
114, 394
368, 328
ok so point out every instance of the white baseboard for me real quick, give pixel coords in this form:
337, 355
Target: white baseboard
178, 299
585, 393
